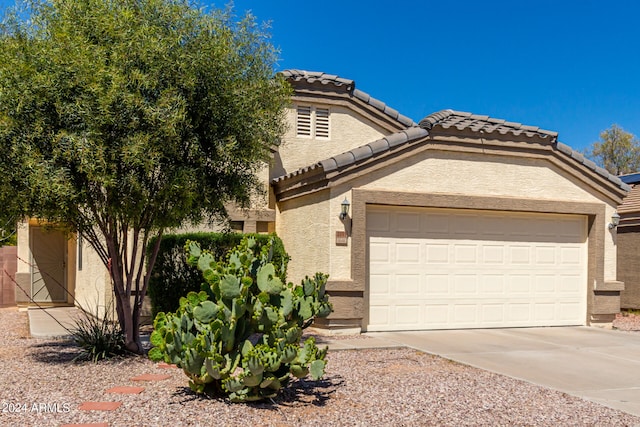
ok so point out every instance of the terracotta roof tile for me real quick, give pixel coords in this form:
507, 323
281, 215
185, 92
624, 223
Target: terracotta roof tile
461, 120
447, 119
361, 153
631, 203
349, 86
316, 76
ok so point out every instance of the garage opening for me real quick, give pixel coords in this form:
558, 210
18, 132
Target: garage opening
454, 269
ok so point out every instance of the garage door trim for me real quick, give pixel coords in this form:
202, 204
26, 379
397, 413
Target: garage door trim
361, 198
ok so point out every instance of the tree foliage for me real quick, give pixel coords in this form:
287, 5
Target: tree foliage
123, 118
617, 151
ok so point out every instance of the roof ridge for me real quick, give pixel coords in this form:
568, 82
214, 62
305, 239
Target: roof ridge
491, 124
350, 86
313, 76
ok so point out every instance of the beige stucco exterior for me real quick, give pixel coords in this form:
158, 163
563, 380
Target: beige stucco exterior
432, 172
453, 167
373, 156
347, 130
306, 239
489, 175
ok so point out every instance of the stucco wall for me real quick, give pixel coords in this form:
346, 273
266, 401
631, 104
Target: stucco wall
302, 225
340, 256
93, 284
23, 247
347, 130
629, 267
488, 175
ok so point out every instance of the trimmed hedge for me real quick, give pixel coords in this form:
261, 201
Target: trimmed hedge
171, 277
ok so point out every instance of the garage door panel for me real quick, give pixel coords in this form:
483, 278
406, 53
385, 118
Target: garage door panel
437, 285
545, 285
435, 225
408, 222
493, 313
407, 285
492, 285
408, 316
570, 284
378, 221
569, 310
379, 318
380, 252
465, 285
545, 255
468, 270
379, 286
465, 253
436, 253
570, 256
518, 285
407, 253
520, 255
493, 254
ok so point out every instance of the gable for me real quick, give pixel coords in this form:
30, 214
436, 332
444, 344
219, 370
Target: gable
328, 116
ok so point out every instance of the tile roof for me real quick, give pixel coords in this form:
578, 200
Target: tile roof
447, 119
350, 87
317, 76
631, 203
461, 120
361, 153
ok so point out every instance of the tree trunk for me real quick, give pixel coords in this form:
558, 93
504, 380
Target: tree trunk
126, 316
124, 284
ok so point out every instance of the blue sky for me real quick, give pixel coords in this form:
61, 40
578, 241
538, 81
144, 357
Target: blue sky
569, 66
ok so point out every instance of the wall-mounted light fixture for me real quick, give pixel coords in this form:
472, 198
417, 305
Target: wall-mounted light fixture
344, 208
615, 220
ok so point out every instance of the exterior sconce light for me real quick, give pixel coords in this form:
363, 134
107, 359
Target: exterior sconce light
344, 208
615, 220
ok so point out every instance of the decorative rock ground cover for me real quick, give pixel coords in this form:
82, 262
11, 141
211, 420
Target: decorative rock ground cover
41, 386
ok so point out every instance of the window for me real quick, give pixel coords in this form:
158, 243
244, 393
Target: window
236, 226
312, 122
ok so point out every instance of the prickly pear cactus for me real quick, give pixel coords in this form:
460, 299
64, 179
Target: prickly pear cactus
240, 336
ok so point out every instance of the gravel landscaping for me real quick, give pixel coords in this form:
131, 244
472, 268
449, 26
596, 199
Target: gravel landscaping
41, 386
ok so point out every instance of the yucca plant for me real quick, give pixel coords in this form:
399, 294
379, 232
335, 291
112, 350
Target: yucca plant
98, 337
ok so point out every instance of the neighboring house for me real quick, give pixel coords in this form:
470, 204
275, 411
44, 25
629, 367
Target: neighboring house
629, 243
459, 221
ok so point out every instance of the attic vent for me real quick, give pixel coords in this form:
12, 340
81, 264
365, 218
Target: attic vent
312, 122
322, 122
303, 123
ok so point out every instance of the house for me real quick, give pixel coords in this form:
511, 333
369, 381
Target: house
628, 240
458, 221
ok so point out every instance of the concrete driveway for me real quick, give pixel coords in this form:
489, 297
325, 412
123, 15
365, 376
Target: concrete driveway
599, 365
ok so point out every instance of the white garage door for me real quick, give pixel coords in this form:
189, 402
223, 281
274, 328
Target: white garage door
448, 269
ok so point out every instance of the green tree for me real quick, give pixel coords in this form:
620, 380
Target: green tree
617, 151
122, 118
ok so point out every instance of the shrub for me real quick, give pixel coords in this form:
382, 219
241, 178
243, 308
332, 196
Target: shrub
240, 336
172, 278
98, 338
